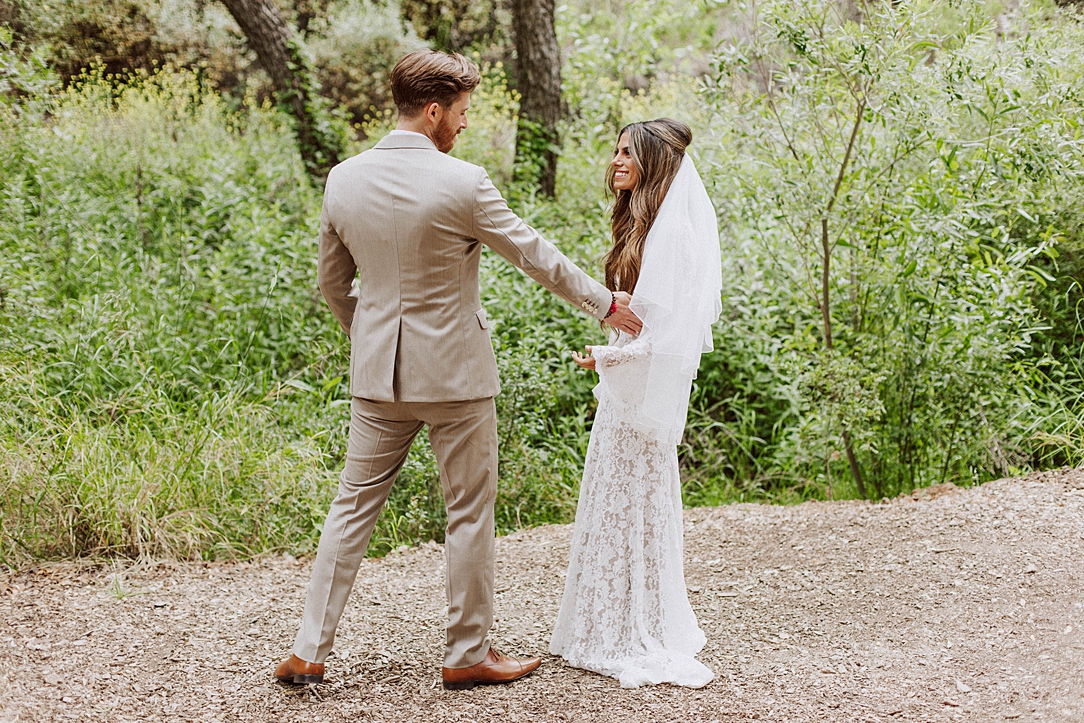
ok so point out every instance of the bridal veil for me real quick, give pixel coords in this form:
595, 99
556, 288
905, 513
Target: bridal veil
677, 296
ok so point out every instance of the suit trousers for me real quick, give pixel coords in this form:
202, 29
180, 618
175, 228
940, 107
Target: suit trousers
464, 439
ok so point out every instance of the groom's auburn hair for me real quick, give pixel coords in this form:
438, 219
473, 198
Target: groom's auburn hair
431, 76
657, 148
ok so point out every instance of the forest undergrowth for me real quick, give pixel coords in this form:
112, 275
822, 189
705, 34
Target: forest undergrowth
900, 205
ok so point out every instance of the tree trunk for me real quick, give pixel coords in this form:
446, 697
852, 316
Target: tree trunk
291, 74
538, 75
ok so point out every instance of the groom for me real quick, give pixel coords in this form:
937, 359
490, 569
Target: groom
409, 221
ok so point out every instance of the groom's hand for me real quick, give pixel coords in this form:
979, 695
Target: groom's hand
623, 319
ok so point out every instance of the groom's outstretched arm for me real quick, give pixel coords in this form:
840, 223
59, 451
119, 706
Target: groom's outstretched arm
503, 231
335, 271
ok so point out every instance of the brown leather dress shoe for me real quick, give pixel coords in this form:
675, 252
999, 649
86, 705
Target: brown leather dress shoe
494, 668
297, 671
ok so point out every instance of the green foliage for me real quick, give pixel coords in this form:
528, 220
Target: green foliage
459, 25
535, 148
356, 43
119, 35
147, 476
915, 161
158, 287
636, 43
171, 382
21, 78
322, 136
1059, 435
353, 44
491, 135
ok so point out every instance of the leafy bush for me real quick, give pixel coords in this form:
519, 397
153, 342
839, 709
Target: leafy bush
893, 186
356, 45
947, 234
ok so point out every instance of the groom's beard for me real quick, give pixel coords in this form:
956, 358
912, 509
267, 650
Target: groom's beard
445, 135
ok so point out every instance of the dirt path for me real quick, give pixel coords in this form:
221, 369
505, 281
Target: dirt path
968, 605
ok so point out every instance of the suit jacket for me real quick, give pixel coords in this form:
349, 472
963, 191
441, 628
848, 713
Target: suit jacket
410, 222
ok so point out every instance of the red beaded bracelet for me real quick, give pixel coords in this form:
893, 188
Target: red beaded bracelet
613, 306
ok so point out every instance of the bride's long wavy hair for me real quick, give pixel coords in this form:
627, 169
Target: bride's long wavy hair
657, 148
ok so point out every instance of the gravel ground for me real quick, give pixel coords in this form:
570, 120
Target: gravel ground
947, 605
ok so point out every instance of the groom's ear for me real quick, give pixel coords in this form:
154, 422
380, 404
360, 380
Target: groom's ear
433, 112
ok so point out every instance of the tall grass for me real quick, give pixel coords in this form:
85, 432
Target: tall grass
152, 242
171, 382
155, 479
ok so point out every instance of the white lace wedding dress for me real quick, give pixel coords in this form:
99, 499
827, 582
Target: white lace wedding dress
625, 611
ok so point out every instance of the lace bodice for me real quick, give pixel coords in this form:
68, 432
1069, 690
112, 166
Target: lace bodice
632, 378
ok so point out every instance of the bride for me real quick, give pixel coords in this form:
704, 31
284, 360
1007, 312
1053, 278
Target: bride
625, 611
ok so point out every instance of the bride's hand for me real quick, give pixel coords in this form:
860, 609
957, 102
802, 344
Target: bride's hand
584, 360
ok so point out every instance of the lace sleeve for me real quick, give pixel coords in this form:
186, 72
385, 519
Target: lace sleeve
607, 357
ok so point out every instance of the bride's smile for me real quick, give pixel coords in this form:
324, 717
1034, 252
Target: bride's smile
625, 173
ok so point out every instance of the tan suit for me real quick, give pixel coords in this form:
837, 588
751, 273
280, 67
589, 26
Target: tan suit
410, 222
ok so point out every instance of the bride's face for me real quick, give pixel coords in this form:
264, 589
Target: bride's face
625, 173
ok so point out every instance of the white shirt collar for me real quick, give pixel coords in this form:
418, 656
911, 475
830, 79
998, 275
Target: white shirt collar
397, 132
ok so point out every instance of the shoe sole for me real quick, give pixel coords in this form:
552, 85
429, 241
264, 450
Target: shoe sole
302, 679
465, 685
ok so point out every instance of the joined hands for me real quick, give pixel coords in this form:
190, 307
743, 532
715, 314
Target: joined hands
623, 319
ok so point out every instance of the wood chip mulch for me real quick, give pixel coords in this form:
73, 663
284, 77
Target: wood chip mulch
948, 605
